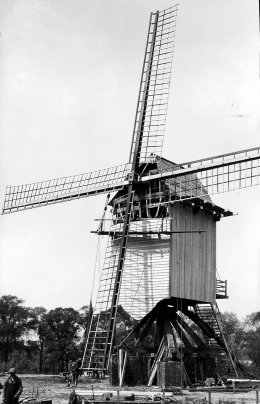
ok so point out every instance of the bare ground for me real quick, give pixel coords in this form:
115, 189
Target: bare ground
49, 387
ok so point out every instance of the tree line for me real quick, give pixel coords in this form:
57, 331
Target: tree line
37, 340
40, 341
244, 337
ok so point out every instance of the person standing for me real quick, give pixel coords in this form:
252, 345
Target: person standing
70, 373
12, 388
76, 372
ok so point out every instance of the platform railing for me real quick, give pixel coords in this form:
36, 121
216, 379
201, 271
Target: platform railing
221, 289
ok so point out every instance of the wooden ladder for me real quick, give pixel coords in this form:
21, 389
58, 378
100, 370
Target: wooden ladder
100, 337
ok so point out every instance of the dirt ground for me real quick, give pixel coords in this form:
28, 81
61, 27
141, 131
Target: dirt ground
47, 387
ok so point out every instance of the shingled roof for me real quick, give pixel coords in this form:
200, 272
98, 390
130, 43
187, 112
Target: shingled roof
187, 188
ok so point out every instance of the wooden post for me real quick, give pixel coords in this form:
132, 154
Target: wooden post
163, 392
124, 367
120, 353
257, 396
122, 357
209, 396
93, 395
117, 393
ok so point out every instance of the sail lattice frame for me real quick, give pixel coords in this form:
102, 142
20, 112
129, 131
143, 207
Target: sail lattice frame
27, 196
150, 119
145, 279
215, 175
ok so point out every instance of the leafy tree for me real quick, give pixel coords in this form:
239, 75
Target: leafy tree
61, 334
252, 327
85, 312
235, 331
39, 326
15, 321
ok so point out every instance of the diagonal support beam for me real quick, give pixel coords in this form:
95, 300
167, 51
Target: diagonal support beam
141, 329
192, 334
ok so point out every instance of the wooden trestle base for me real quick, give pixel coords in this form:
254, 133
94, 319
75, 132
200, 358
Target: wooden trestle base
179, 342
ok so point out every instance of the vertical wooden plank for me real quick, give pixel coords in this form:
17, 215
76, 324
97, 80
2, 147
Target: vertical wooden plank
193, 256
205, 253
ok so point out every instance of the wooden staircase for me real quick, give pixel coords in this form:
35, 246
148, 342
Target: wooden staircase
226, 362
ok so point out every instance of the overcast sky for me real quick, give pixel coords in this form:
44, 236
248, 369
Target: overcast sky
69, 79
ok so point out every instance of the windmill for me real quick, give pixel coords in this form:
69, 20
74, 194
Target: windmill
151, 193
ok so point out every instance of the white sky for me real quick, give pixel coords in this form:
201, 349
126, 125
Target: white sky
70, 73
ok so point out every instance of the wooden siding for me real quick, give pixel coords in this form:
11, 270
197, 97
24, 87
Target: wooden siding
192, 256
